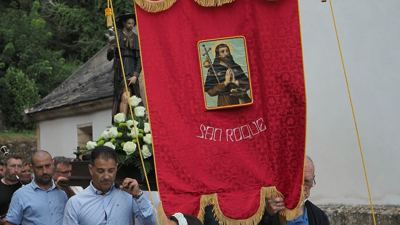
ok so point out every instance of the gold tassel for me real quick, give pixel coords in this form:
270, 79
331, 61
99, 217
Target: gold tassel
108, 13
155, 6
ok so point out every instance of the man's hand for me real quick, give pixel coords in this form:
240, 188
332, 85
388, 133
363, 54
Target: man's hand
228, 76
2, 221
130, 186
132, 80
233, 80
62, 183
274, 205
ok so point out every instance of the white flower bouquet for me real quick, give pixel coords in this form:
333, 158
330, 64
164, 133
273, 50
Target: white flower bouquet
125, 140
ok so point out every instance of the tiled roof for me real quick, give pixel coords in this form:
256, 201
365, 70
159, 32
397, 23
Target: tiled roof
93, 81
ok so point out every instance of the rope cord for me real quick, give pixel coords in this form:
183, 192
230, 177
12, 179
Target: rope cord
352, 109
130, 109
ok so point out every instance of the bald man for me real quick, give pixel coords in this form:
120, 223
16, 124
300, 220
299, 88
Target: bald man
309, 214
39, 202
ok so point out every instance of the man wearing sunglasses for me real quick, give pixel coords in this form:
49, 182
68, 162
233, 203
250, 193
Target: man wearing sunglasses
61, 172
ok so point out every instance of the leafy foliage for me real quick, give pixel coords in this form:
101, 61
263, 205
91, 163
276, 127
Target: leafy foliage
18, 93
81, 24
25, 40
48, 40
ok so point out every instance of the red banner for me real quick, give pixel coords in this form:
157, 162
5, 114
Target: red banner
232, 152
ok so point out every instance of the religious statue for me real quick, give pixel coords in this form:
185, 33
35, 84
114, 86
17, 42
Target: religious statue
130, 56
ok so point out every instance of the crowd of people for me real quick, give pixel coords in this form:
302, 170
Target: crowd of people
48, 199
38, 193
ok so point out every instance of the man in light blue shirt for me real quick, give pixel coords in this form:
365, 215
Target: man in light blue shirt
41, 201
103, 202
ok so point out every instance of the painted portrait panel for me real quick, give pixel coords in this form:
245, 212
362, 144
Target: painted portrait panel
225, 72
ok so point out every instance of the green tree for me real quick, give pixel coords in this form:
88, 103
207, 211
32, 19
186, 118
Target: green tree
18, 93
25, 40
81, 24
48, 40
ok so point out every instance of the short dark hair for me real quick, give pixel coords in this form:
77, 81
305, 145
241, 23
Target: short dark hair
191, 220
13, 156
2, 163
221, 46
103, 152
127, 18
60, 159
38, 153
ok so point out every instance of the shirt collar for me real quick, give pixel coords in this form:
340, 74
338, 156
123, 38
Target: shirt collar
35, 186
97, 192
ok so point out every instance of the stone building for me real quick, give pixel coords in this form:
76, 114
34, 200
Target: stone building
77, 110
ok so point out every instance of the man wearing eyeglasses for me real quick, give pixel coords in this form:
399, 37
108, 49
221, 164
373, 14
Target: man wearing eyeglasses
61, 172
309, 214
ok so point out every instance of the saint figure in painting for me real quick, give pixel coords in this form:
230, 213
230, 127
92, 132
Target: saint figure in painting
226, 79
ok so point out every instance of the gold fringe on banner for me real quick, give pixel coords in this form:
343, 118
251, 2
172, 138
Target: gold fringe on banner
212, 3
212, 199
163, 217
155, 6
161, 5
293, 213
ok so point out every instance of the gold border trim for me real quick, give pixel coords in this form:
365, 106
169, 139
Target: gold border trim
155, 6
161, 213
161, 5
148, 110
203, 76
212, 199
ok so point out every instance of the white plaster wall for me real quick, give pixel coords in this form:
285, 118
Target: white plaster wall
370, 39
60, 137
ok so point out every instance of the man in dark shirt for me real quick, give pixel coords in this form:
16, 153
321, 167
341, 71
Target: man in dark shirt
2, 169
9, 183
309, 214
